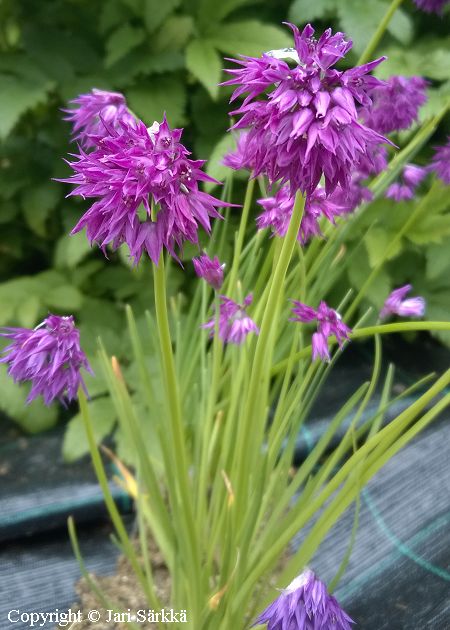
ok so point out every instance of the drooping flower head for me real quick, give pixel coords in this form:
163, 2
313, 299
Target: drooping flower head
302, 121
94, 113
305, 605
146, 190
395, 104
405, 188
440, 163
210, 270
329, 323
432, 6
278, 211
396, 304
234, 322
49, 356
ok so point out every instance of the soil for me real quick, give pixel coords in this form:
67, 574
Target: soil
123, 591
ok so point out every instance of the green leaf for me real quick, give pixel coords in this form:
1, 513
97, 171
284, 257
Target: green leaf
205, 64
438, 261
64, 298
103, 416
430, 59
376, 242
249, 37
150, 100
214, 166
174, 33
33, 417
71, 249
28, 311
18, 95
401, 26
121, 41
360, 24
209, 12
303, 11
37, 203
155, 12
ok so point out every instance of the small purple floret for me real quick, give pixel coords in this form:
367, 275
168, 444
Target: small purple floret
329, 323
396, 304
432, 6
301, 122
278, 211
305, 605
94, 113
210, 270
146, 190
395, 104
405, 188
49, 356
440, 163
234, 322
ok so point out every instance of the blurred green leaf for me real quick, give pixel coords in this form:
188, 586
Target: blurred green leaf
376, 241
150, 100
214, 167
121, 41
249, 37
71, 249
75, 443
37, 203
174, 33
64, 298
155, 12
18, 95
438, 261
303, 11
202, 59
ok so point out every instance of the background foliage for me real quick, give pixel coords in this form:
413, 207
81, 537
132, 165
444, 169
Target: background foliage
168, 56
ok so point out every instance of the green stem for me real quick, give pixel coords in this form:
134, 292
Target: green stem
369, 331
241, 234
376, 37
176, 423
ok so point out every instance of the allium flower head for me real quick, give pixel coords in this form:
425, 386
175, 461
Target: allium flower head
94, 113
432, 6
210, 270
305, 605
302, 121
234, 322
329, 323
278, 211
146, 190
396, 304
440, 163
395, 104
49, 356
404, 189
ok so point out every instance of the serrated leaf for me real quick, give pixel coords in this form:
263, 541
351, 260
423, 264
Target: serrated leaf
430, 60
174, 33
150, 100
28, 311
121, 41
303, 11
214, 166
155, 12
64, 298
37, 203
249, 37
17, 96
71, 249
103, 416
203, 61
432, 229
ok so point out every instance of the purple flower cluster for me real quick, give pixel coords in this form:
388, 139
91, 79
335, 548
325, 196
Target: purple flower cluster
49, 356
95, 113
411, 177
329, 323
146, 189
210, 270
395, 104
302, 122
278, 211
234, 323
396, 304
440, 163
305, 605
432, 6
